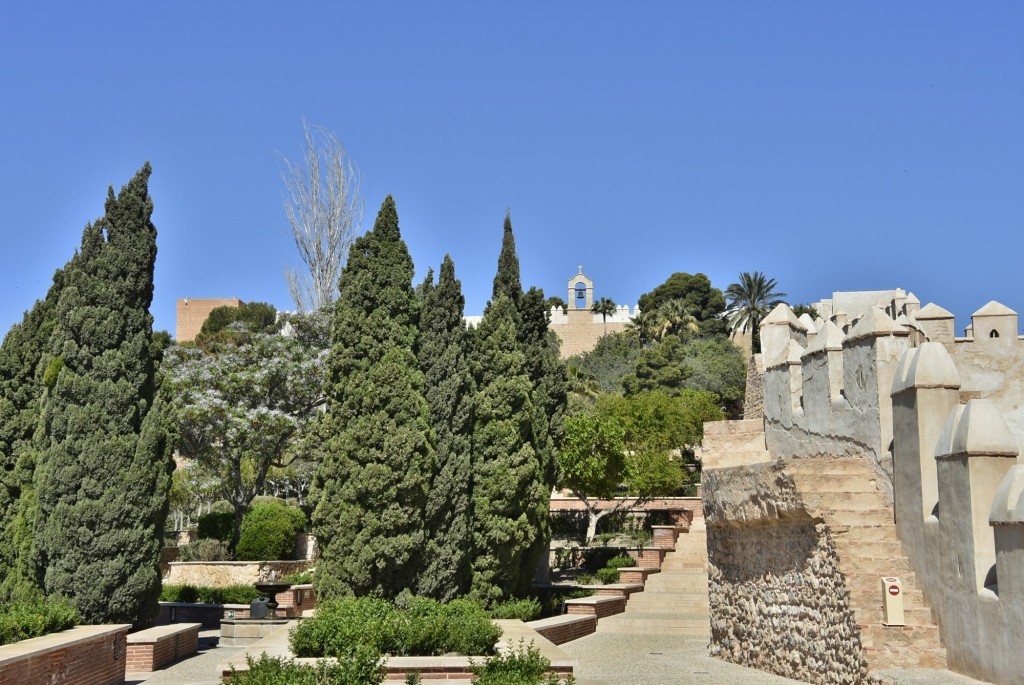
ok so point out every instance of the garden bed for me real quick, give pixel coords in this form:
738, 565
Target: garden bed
429, 667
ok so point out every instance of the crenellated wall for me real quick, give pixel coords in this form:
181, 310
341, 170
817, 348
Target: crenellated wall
941, 420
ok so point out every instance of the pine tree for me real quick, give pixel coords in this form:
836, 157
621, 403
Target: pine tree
103, 473
506, 468
370, 487
443, 355
506, 280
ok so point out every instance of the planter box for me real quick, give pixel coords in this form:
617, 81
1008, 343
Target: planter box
429, 667
87, 654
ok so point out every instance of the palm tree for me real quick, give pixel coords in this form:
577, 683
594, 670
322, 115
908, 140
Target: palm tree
644, 326
751, 300
604, 307
675, 319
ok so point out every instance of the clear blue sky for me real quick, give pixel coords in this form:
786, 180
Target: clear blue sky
834, 146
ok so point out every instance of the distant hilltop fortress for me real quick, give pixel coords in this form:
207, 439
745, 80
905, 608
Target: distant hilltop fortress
577, 327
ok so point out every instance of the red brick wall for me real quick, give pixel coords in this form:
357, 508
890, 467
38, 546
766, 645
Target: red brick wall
569, 630
74, 656
152, 656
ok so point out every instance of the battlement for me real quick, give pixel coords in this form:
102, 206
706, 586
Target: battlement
561, 316
941, 420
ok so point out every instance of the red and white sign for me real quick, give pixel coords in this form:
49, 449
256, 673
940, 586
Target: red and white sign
894, 590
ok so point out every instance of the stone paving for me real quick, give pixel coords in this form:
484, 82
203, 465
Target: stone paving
603, 658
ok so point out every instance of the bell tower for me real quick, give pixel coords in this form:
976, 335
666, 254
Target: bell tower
581, 291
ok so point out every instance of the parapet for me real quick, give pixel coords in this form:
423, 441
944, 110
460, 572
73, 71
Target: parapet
1008, 505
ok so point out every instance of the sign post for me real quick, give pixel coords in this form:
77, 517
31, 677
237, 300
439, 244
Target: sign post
892, 601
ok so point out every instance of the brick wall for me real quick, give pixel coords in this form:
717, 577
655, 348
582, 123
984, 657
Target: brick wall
152, 649
92, 655
562, 629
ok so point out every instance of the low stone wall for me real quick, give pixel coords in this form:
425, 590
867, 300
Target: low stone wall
778, 600
565, 628
209, 615
87, 654
225, 573
154, 648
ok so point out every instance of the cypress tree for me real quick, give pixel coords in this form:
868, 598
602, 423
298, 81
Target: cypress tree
102, 491
506, 469
506, 280
370, 487
443, 358
20, 390
550, 382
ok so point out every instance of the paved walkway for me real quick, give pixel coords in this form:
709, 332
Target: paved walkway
607, 658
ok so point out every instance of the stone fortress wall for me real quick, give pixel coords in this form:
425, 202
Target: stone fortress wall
933, 424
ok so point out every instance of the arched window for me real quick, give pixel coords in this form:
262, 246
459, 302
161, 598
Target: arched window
994, 334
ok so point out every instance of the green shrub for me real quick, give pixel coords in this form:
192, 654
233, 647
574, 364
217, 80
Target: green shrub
21, 621
232, 594
621, 561
217, 525
608, 575
521, 665
553, 599
300, 578
205, 549
268, 532
520, 609
359, 667
418, 627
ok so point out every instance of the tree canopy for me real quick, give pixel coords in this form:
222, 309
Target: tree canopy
701, 299
750, 300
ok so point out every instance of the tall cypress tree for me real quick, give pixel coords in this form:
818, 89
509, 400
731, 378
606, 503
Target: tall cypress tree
506, 280
370, 487
102, 490
443, 355
21, 387
506, 469
550, 383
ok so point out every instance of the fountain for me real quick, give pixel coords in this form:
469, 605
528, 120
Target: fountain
243, 631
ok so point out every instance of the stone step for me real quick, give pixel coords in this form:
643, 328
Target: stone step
850, 501
643, 629
857, 519
675, 585
862, 532
683, 606
828, 466
654, 621
853, 544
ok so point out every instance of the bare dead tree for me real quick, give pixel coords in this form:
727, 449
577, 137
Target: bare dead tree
324, 207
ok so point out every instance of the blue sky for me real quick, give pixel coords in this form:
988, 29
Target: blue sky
834, 146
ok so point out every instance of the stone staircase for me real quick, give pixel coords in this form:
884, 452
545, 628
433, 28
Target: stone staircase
842, 492
675, 600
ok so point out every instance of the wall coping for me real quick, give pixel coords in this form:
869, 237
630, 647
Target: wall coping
204, 604
159, 633
37, 646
